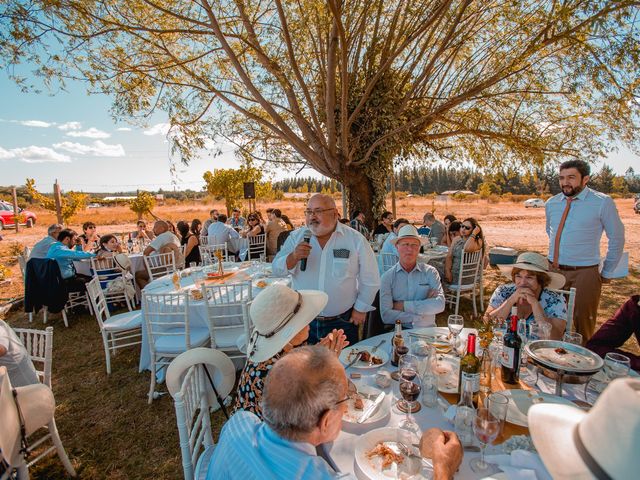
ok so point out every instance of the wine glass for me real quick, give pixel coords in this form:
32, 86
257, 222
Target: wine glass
486, 428
616, 365
572, 337
455, 324
408, 366
410, 392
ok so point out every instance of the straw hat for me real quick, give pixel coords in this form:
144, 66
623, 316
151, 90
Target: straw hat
123, 261
408, 231
600, 444
534, 262
278, 313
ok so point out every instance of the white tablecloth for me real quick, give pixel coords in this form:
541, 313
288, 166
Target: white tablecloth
84, 266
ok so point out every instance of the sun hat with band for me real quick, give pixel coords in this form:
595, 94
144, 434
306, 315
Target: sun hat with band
601, 444
408, 231
278, 313
534, 262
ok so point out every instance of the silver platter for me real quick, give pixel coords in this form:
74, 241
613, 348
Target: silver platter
586, 361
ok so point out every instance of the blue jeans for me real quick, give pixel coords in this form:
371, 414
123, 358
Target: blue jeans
321, 328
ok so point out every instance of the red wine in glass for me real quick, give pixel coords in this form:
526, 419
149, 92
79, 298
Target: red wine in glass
408, 373
410, 391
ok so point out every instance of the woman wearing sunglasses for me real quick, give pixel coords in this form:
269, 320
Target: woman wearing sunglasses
254, 227
471, 239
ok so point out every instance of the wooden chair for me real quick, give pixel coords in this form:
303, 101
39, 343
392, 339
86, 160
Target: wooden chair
257, 246
107, 272
39, 345
159, 265
468, 281
570, 298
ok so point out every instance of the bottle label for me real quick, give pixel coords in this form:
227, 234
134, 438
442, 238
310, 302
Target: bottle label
474, 378
508, 357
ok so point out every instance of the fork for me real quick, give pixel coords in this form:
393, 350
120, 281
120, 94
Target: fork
373, 350
405, 450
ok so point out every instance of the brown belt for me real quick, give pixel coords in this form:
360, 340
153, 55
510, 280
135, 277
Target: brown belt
570, 267
335, 317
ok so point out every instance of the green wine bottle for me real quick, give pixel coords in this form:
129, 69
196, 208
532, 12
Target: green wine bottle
470, 369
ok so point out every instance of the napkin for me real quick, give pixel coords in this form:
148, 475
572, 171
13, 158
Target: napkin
520, 465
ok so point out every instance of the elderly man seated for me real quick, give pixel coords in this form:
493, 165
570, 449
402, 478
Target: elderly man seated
221, 234
15, 357
63, 251
410, 291
304, 399
41, 248
164, 242
436, 227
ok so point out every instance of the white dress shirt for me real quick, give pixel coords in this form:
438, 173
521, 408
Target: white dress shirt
349, 282
414, 289
220, 233
591, 212
164, 239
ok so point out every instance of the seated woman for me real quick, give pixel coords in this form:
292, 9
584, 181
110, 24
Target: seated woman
448, 220
281, 317
254, 227
471, 239
108, 247
90, 236
191, 241
385, 226
142, 233
530, 294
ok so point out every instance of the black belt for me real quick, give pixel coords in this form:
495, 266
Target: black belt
570, 267
335, 317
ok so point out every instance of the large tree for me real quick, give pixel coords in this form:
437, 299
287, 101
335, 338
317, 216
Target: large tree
349, 86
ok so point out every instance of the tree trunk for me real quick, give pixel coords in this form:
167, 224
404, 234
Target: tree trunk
364, 193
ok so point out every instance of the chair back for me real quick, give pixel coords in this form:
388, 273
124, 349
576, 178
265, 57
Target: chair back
98, 301
204, 240
570, 298
228, 311
22, 262
10, 421
207, 253
257, 246
160, 264
468, 274
26, 253
107, 271
39, 345
388, 260
166, 315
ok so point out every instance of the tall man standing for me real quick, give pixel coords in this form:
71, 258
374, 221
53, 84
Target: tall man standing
576, 219
339, 261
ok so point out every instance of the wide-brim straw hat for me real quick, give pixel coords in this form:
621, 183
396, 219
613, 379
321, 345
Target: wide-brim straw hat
278, 313
123, 261
600, 444
534, 262
408, 231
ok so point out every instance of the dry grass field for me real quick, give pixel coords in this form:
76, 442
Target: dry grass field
105, 423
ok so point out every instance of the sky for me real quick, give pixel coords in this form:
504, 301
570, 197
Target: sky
71, 136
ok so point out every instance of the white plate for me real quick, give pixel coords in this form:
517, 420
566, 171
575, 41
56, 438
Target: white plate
371, 468
346, 356
521, 400
352, 416
447, 370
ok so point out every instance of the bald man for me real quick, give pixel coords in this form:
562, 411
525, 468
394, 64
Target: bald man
304, 399
339, 261
164, 242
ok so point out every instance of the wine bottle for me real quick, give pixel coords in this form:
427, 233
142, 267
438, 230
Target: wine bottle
398, 341
470, 369
512, 345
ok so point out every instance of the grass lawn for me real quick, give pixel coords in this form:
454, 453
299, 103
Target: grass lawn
107, 427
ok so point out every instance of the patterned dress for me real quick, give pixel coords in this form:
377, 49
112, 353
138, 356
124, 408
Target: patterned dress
251, 384
553, 303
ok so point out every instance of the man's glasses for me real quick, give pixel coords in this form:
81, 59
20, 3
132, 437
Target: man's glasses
317, 212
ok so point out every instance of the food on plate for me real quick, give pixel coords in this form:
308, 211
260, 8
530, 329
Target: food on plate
358, 403
560, 351
565, 358
376, 360
383, 379
389, 457
365, 356
261, 284
356, 375
427, 441
196, 294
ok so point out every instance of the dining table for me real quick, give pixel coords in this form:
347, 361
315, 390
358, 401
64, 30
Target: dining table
343, 449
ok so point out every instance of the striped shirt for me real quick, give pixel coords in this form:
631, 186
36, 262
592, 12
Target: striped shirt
248, 449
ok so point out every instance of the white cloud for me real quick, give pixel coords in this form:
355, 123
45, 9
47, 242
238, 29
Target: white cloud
158, 129
33, 154
123, 129
97, 149
90, 133
70, 126
36, 123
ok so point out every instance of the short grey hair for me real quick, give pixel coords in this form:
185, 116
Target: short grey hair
299, 389
53, 228
428, 216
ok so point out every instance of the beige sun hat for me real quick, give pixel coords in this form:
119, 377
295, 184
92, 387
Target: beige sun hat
534, 262
123, 261
408, 231
278, 313
600, 444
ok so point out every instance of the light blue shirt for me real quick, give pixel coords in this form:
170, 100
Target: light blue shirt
387, 246
65, 257
591, 212
248, 449
412, 288
41, 248
219, 234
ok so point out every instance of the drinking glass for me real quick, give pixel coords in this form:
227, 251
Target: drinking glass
429, 389
498, 405
455, 324
408, 366
572, 337
524, 334
616, 365
485, 427
410, 392
192, 265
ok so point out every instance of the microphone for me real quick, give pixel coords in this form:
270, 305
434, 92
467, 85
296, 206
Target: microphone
305, 239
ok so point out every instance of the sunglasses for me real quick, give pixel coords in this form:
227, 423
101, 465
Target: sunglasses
466, 227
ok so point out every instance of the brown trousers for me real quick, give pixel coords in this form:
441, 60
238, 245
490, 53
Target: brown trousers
588, 286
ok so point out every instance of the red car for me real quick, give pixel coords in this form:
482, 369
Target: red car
6, 216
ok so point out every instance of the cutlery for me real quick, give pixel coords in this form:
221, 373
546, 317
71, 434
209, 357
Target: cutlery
373, 350
471, 448
413, 452
371, 408
352, 362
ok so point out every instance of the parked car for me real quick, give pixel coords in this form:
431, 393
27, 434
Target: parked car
534, 203
6, 216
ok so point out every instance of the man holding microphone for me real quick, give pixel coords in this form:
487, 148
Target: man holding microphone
334, 258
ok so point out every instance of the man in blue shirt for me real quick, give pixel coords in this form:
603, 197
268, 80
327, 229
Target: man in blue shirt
304, 398
576, 219
41, 248
63, 252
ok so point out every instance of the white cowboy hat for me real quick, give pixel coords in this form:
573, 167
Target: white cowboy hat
278, 313
408, 231
219, 366
600, 444
534, 262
